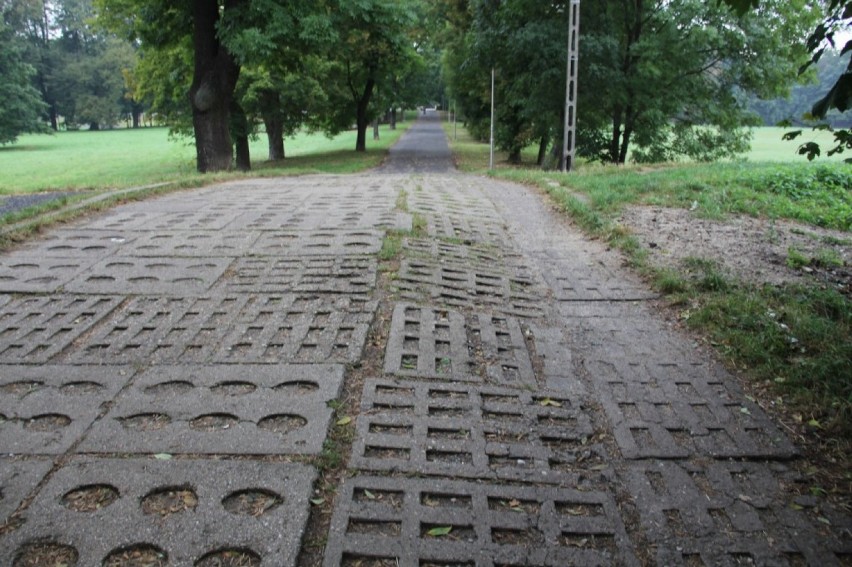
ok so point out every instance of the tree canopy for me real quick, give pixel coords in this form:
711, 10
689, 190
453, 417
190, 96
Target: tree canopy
22, 104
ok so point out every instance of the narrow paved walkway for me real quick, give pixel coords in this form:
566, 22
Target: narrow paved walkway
169, 372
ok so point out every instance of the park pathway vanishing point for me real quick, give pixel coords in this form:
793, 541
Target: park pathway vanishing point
169, 371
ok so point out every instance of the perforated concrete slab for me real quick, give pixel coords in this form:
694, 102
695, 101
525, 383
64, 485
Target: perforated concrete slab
168, 276
35, 329
473, 254
438, 343
253, 409
589, 285
677, 410
332, 274
477, 432
18, 479
198, 244
300, 328
337, 218
46, 409
319, 243
79, 243
387, 521
440, 283
186, 510
734, 513
30, 273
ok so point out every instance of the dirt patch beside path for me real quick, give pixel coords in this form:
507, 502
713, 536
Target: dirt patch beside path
753, 250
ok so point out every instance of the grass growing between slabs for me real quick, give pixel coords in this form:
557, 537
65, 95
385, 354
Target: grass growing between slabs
795, 341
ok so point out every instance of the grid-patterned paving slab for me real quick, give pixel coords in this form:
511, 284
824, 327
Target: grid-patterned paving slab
30, 273
232, 328
462, 286
198, 244
585, 285
46, 409
675, 411
382, 521
349, 274
734, 513
474, 254
185, 510
438, 343
35, 329
127, 274
255, 409
17, 479
318, 243
477, 432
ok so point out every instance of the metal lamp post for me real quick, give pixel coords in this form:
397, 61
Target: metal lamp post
570, 130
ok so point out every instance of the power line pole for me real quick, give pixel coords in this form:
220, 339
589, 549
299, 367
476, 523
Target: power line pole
570, 131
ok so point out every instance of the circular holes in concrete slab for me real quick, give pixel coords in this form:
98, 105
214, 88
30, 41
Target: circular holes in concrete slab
230, 558
169, 500
46, 554
137, 555
251, 502
90, 498
145, 421
233, 388
81, 388
21, 387
170, 388
214, 422
47, 422
297, 387
282, 423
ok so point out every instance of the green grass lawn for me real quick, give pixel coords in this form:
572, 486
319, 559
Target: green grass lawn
127, 158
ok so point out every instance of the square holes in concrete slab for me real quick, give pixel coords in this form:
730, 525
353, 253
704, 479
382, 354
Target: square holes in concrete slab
181, 512
35, 329
418, 522
266, 274
477, 432
438, 343
725, 513
679, 410
46, 409
256, 409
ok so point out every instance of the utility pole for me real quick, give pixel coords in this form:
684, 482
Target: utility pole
491, 151
570, 131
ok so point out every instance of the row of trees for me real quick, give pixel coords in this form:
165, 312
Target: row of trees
216, 69
661, 79
323, 65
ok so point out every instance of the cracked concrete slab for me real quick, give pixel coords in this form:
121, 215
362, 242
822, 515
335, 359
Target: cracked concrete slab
185, 510
255, 409
47, 409
19, 478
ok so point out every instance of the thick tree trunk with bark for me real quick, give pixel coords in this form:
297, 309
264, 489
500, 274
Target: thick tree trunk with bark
273, 123
240, 132
362, 119
213, 82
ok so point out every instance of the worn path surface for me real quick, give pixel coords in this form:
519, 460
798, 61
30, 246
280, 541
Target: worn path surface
166, 370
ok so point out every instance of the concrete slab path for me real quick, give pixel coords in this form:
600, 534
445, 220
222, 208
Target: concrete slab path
169, 372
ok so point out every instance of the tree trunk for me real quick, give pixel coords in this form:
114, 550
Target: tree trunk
376, 129
362, 119
275, 137
393, 118
240, 132
615, 139
542, 149
625, 138
214, 79
94, 126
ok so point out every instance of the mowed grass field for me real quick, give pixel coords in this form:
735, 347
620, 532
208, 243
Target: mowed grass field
127, 158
